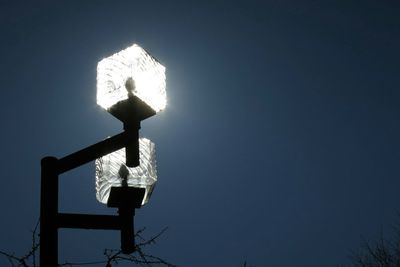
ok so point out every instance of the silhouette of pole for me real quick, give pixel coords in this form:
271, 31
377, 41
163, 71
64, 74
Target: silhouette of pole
48, 213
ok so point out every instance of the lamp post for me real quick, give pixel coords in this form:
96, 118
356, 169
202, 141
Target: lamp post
131, 86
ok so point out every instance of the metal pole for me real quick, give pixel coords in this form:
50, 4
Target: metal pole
132, 149
48, 213
127, 230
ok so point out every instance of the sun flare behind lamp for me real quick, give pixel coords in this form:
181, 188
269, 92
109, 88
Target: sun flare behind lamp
131, 86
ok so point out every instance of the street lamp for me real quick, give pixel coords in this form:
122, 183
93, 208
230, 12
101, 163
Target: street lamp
131, 86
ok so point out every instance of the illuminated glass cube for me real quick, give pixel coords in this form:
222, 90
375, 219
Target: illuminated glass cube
112, 172
131, 71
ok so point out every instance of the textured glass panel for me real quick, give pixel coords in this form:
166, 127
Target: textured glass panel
134, 63
111, 170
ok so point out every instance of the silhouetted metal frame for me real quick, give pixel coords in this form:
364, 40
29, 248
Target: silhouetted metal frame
51, 220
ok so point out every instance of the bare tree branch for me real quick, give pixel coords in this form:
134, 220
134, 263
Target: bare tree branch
112, 256
380, 253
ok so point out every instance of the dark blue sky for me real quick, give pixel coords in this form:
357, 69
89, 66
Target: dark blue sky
279, 145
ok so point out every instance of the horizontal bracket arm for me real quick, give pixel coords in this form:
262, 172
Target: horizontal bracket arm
87, 221
96, 151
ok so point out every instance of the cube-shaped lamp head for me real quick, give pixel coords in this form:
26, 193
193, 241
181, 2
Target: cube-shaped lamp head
119, 185
131, 81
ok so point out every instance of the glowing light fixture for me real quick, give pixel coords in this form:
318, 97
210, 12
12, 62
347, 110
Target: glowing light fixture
131, 71
131, 86
116, 183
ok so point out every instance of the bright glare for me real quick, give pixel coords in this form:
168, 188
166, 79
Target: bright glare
133, 62
143, 176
